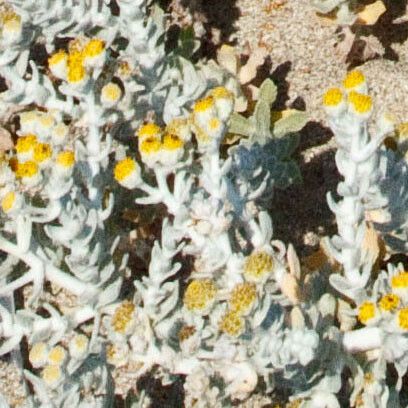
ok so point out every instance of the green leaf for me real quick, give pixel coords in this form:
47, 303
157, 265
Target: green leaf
291, 123
187, 44
240, 125
262, 117
268, 92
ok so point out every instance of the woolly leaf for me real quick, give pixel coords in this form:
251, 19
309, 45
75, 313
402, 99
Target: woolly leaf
268, 92
241, 125
291, 122
262, 117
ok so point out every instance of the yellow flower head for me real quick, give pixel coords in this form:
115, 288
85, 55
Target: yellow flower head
353, 80
366, 312
149, 130
123, 317
27, 169
220, 92
242, 298
76, 73
388, 302
150, 145
172, 142
28, 121
124, 69
94, 48
200, 295
8, 201
204, 104
65, 159
52, 375
258, 266
76, 70
400, 281
57, 355
185, 332
76, 45
403, 318
38, 354
11, 26
232, 324
46, 121
78, 346
180, 127
110, 94
59, 133
10, 18
59, 57
361, 104
333, 97
26, 143
127, 173
117, 354
42, 152
124, 168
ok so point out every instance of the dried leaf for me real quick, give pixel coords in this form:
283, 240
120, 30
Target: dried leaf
290, 288
318, 259
293, 262
378, 216
297, 319
345, 315
326, 19
371, 245
228, 59
371, 13
249, 70
343, 48
6, 142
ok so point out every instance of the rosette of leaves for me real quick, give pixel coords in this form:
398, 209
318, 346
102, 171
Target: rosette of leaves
267, 143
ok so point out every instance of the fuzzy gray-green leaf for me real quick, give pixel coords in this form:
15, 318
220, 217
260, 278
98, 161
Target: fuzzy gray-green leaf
240, 125
268, 92
262, 117
292, 123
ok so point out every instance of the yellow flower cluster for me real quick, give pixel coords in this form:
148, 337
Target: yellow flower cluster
232, 324
366, 312
209, 116
389, 302
400, 281
200, 295
52, 361
164, 147
358, 102
10, 24
123, 317
83, 54
258, 266
242, 298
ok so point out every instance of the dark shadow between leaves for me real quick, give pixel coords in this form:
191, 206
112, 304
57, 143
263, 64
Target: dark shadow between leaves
218, 19
301, 209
